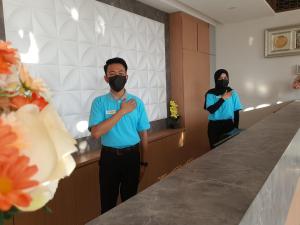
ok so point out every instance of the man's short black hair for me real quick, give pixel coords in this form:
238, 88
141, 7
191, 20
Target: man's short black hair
116, 60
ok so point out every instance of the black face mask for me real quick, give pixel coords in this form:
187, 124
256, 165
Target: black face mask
222, 83
117, 82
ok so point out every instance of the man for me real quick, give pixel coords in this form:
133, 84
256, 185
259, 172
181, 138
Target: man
120, 119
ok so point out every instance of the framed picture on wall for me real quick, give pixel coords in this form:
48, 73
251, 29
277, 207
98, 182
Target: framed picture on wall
282, 41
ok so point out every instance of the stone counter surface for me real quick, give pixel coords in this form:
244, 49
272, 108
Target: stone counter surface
218, 187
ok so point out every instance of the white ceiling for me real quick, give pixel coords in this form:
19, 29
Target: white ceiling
216, 11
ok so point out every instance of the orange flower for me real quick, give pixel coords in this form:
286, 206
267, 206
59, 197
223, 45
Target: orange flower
19, 101
8, 57
15, 177
4, 102
38, 100
8, 142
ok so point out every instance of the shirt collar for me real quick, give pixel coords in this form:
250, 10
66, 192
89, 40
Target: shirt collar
124, 96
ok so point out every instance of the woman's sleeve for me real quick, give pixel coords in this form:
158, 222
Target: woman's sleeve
210, 105
236, 119
237, 103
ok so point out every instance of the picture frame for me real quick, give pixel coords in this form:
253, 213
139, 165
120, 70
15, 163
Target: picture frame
282, 41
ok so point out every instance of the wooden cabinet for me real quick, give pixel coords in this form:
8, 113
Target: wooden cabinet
163, 155
195, 33
203, 37
195, 73
87, 193
190, 78
76, 201
9, 222
189, 32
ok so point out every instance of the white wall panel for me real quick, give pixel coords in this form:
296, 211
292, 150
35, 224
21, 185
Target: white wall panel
66, 42
70, 78
51, 75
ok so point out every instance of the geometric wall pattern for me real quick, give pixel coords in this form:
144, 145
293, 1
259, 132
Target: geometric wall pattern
66, 42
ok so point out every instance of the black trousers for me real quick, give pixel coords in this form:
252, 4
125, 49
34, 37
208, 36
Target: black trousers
119, 172
217, 130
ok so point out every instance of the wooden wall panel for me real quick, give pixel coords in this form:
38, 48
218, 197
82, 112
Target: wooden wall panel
76, 201
87, 193
176, 54
30, 218
163, 156
63, 205
203, 37
189, 32
9, 222
196, 76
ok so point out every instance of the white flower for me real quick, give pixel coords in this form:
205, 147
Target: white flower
49, 146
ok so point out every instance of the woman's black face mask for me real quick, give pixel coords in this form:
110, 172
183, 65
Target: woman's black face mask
222, 83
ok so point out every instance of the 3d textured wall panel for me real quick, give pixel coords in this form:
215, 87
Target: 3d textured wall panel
66, 42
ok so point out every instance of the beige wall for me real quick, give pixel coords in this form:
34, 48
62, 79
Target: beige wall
249, 118
240, 49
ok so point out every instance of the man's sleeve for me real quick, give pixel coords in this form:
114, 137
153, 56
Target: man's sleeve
97, 113
143, 122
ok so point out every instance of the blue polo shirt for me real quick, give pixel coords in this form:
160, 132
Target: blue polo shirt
226, 110
125, 132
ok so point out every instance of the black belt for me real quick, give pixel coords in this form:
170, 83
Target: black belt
220, 121
120, 151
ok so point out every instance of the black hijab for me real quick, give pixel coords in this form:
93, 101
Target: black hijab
217, 90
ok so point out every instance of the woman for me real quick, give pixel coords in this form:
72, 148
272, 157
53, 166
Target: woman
223, 104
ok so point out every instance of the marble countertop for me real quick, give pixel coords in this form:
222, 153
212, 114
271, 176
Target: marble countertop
218, 187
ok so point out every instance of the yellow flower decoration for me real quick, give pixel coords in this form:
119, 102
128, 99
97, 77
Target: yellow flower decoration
174, 114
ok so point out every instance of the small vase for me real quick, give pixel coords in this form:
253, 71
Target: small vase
173, 123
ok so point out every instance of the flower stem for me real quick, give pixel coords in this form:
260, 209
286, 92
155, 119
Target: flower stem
1, 218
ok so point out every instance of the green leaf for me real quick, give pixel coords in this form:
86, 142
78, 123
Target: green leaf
9, 214
1, 218
47, 209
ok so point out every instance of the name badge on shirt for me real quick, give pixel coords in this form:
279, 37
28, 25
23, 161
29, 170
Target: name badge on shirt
110, 112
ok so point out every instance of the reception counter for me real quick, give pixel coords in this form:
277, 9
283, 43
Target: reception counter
250, 179
77, 199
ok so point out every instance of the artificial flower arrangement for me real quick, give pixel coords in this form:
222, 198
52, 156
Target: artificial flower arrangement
173, 120
296, 83
174, 114
35, 147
